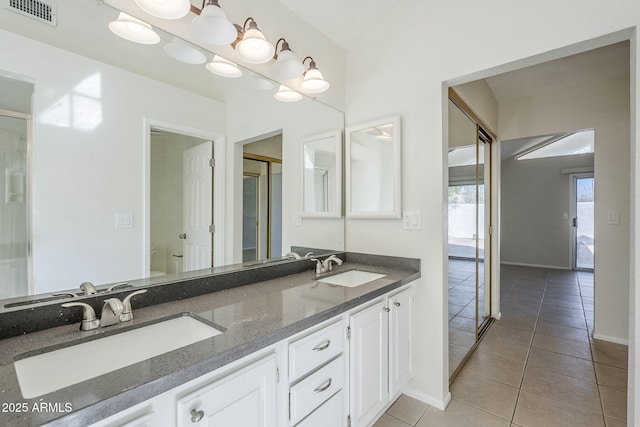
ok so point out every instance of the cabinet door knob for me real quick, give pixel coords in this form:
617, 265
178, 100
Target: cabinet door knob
182, 236
323, 386
322, 346
397, 304
196, 416
387, 309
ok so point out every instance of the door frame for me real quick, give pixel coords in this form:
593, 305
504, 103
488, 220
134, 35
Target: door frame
573, 234
219, 217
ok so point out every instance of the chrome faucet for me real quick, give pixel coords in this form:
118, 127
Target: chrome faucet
294, 255
88, 289
113, 311
327, 263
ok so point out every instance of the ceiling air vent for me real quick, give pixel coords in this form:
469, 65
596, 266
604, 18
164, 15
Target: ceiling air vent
37, 9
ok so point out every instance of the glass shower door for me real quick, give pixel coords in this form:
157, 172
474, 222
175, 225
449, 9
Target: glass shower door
14, 236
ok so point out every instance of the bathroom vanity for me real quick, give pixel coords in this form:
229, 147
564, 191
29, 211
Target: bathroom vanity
291, 350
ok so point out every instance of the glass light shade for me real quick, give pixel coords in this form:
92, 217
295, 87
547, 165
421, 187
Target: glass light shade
213, 27
165, 9
285, 94
224, 68
287, 66
313, 82
183, 52
134, 30
253, 48
260, 83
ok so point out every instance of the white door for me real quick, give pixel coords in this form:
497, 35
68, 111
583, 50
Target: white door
369, 363
400, 330
197, 207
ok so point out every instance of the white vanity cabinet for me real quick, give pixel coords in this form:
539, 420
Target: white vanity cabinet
380, 354
244, 398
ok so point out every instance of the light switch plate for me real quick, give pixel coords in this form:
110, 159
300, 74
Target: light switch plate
296, 219
124, 220
411, 220
613, 218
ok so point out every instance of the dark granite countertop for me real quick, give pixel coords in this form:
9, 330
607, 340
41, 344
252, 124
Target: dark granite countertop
255, 316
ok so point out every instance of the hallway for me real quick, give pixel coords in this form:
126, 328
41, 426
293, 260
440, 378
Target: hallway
537, 366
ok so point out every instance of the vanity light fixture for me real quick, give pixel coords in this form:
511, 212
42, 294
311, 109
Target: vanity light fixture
286, 94
252, 46
212, 25
133, 29
287, 66
223, 67
184, 52
313, 81
165, 9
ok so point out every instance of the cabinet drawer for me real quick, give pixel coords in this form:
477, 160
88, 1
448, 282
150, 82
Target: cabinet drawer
331, 413
312, 351
309, 393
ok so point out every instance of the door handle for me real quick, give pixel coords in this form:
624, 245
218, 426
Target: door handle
182, 236
575, 222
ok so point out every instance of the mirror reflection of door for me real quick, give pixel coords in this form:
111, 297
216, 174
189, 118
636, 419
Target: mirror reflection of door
262, 199
469, 242
583, 222
181, 203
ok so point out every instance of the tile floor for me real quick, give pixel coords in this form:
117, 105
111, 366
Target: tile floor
537, 366
462, 308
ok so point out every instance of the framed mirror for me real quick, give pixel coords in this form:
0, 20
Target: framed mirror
322, 175
373, 184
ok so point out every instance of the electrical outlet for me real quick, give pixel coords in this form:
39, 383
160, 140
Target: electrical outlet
296, 220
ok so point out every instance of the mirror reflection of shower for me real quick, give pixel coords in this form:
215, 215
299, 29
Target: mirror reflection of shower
262, 199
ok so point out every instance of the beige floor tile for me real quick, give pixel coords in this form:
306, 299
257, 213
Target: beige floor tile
566, 332
505, 331
609, 356
407, 409
485, 394
463, 323
610, 422
456, 355
610, 344
461, 338
389, 421
562, 364
610, 376
562, 389
563, 303
496, 368
614, 403
537, 411
459, 415
559, 319
504, 348
546, 308
561, 345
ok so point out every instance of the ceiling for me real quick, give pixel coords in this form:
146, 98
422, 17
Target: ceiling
343, 21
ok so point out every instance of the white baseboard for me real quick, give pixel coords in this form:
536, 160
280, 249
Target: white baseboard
615, 340
429, 400
521, 264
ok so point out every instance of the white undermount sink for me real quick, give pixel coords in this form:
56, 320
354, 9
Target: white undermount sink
351, 278
46, 372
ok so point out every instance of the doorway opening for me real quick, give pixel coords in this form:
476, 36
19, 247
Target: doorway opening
583, 236
262, 199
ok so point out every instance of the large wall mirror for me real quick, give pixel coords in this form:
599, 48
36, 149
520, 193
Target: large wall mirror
373, 173
103, 186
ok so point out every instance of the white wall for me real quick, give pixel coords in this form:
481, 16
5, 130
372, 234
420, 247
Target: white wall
88, 159
434, 43
535, 198
603, 105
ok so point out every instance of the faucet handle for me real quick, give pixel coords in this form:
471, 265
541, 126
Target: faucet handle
64, 294
117, 285
319, 266
127, 313
308, 255
88, 288
89, 319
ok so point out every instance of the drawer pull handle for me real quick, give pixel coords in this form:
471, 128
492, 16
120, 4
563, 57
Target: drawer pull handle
196, 416
323, 386
322, 346
387, 309
397, 304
